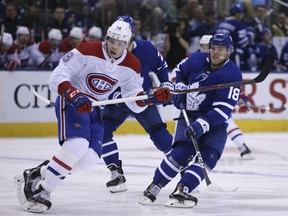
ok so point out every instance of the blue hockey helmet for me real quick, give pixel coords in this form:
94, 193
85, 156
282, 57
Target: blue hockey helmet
236, 8
127, 19
266, 31
222, 40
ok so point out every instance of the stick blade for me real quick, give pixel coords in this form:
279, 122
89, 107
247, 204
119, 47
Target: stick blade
43, 99
266, 68
217, 188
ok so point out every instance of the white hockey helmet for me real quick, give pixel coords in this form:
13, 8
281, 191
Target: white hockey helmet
95, 31
120, 30
205, 39
6, 39
55, 34
23, 30
76, 32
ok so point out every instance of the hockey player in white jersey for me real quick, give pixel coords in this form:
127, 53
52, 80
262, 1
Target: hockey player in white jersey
208, 113
93, 70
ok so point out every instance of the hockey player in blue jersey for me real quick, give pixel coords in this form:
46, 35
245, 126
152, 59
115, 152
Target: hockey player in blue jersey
233, 130
207, 111
150, 119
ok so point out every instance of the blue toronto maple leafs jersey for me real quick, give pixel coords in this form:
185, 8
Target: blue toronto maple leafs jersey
237, 30
151, 61
216, 105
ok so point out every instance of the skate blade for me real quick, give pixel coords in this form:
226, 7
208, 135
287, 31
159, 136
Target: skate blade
117, 188
19, 185
248, 157
145, 201
35, 207
174, 203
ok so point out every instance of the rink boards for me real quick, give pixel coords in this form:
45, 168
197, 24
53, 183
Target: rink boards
22, 114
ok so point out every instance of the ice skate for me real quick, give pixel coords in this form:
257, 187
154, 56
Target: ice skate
150, 194
24, 189
181, 199
39, 201
245, 153
117, 182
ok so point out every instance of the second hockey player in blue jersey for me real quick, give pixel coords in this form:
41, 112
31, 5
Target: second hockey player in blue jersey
150, 119
208, 112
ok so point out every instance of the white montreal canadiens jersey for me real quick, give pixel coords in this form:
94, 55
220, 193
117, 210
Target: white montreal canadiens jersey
90, 69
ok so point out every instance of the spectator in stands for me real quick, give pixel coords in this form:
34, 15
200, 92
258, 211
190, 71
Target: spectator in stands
11, 20
74, 38
140, 34
189, 6
58, 21
94, 34
34, 20
8, 53
234, 26
265, 47
155, 25
51, 49
177, 42
28, 52
284, 57
79, 14
155, 22
259, 22
280, 27
106, 12
146, 8
207, 27
198, 18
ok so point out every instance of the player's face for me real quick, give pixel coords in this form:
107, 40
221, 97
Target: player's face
115, 47
218, 54
74, 42
53, 43
204, 48
23, 38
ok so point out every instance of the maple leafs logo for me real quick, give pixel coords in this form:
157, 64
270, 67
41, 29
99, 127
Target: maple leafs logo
194, 99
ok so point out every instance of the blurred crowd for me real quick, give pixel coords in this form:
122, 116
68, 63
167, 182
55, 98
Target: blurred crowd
37, 33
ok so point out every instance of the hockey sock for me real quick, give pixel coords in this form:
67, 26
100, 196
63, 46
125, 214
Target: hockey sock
61, 164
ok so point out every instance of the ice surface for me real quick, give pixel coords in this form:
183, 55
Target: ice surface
263, 182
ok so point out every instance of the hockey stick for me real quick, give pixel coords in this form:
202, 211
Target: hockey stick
263, 107
268, 64
97, 103
209, 184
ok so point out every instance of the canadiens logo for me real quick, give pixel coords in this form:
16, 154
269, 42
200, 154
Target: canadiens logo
100, 83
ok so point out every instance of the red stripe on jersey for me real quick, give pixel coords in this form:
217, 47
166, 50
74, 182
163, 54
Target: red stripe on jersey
229, 132
93, 48
65, 46
12, 49
44, 47
62, 163
30, 42
132, 62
